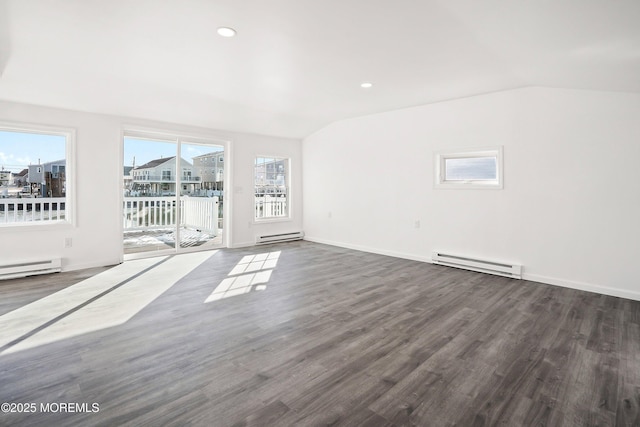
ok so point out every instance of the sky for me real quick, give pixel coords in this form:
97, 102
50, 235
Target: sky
18, 150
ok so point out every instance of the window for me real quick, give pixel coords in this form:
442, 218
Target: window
271, 187
469, 168
166, 175
39, 159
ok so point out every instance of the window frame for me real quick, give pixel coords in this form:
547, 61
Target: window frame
287, 179
69, 134
440, 158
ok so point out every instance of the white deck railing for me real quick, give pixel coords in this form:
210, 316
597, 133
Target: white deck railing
271, 207
200, 213
32, 209
143, 213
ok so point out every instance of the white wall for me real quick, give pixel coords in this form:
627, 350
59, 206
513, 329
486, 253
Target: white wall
96, 237
569, 210
245, 150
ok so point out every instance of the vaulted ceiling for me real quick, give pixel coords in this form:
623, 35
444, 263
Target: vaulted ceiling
297, 65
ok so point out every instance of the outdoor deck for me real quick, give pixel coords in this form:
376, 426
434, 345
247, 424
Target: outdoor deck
136, 241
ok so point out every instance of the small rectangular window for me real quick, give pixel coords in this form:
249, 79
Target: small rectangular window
271, 180
469, 168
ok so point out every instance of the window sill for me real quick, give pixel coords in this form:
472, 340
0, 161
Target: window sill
26, 226
467, 186
272, 220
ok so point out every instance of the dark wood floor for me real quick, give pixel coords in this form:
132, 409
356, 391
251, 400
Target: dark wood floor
336, 337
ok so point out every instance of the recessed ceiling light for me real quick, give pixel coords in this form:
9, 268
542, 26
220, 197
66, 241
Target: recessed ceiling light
366, 85
226, 32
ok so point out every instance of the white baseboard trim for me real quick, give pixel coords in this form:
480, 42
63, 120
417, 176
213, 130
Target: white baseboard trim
378, 251
581, 286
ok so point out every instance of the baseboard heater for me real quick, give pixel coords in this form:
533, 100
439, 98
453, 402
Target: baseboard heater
468, 263
30, 268
282, 237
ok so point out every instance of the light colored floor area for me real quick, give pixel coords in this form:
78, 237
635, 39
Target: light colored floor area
102, 301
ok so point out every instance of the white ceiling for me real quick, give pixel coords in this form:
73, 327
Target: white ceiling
297, 65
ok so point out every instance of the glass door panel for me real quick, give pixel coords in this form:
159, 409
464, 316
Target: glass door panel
201, 195
149, 204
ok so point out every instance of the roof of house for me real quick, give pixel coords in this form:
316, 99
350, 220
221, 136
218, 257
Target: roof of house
213, 153
23, 172
156, 162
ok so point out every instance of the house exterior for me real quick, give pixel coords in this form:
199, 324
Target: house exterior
210, 168
48, 179
158, 178
128, 179
5, 177
21, 178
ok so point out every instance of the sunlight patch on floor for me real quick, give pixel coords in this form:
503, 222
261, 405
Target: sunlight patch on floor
112, 309
250, 274
18, 322
256, 262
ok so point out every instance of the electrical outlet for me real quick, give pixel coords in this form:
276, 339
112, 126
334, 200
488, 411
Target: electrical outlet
68, 242
329, 215
416, 224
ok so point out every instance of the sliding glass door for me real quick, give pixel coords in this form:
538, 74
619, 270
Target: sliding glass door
201, 195
173, 193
